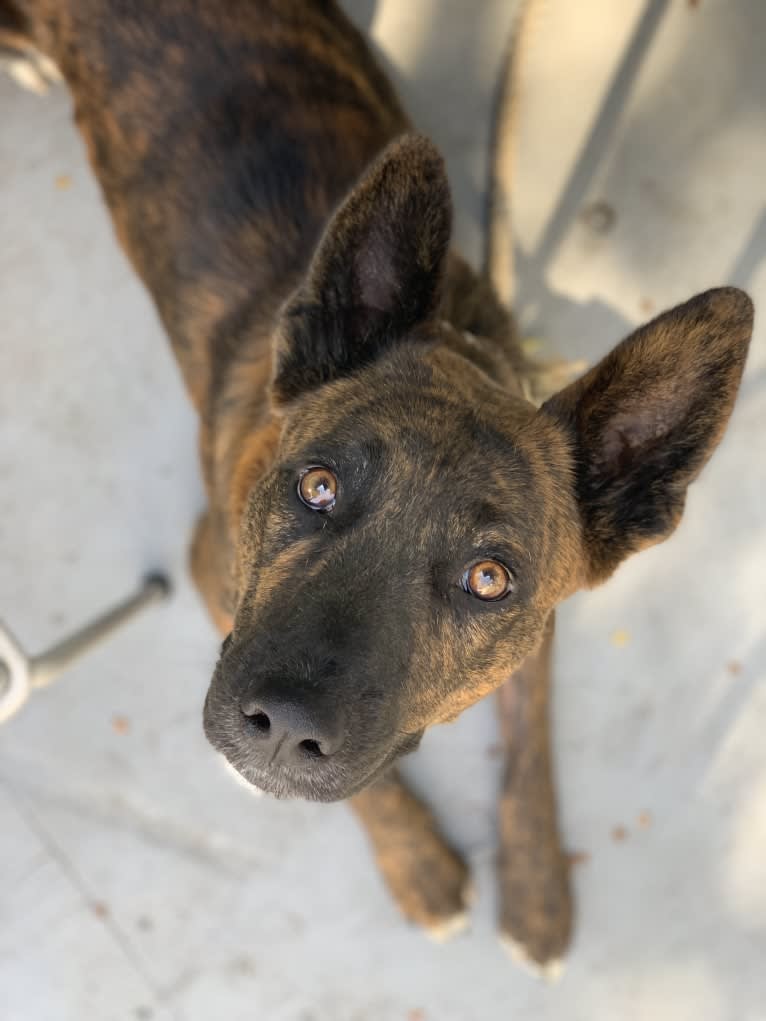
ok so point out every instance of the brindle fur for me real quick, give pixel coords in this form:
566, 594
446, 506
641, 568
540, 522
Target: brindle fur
224, 137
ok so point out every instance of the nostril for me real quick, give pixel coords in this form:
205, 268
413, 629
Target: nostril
312, 748
261, 722
257, 719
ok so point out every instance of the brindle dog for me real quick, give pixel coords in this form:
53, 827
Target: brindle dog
390, 522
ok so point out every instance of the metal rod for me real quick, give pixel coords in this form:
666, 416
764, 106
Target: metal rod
5, 678
48, 665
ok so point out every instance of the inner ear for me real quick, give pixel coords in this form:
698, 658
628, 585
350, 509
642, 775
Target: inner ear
376, 275
634, 408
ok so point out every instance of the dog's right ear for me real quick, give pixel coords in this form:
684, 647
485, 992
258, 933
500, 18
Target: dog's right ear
377, 273
644, 421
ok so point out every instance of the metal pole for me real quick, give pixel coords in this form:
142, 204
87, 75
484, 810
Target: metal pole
48, 665
20, 673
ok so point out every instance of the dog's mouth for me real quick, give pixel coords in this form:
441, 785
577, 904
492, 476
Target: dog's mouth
284, 784
307, 788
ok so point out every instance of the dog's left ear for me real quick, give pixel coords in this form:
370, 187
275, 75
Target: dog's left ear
644, 421
377, 272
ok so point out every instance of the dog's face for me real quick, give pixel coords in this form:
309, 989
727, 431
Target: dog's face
398, 562
402, 555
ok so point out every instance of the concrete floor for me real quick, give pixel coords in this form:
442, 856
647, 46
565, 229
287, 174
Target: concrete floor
138, 882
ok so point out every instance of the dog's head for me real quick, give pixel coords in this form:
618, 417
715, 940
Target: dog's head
401, 556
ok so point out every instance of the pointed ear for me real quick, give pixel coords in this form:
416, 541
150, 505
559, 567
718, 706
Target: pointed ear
376, 274
645, 420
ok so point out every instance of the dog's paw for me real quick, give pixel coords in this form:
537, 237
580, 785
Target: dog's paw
548, 971
431, 885
441, 932
535, 911
428, 880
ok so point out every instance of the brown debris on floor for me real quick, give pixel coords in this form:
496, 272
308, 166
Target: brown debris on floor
120, 724
620, 638
100, 909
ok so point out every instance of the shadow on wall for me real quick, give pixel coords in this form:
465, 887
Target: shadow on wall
630, 149
671, 132
446, 80
462, 72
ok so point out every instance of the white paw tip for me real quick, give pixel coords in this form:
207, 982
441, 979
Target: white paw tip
450, 927
549, 971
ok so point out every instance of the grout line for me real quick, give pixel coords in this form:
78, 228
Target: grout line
228, 858
118, 936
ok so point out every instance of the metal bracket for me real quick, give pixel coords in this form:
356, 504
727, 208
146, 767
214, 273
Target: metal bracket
21, 673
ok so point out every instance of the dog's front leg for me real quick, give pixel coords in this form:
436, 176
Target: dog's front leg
535, 898
428, 880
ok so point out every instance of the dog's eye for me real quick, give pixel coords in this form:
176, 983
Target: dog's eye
488, 580
317, 488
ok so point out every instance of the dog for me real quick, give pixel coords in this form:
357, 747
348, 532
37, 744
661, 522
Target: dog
390, 523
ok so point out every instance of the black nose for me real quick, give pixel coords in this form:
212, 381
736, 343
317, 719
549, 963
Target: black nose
290, 733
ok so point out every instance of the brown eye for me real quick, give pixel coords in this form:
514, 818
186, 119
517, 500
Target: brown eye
488, 580
317, 488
